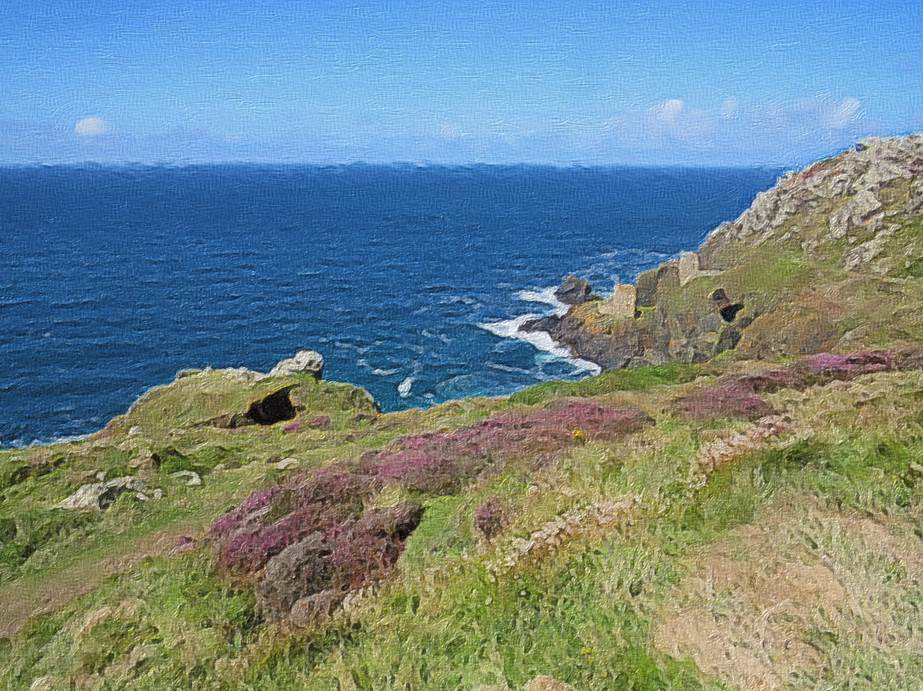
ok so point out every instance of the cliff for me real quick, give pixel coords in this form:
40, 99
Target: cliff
709, 522
825, 260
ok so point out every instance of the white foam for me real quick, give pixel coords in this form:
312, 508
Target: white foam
545, 296
541, 340
403, 389
378, 372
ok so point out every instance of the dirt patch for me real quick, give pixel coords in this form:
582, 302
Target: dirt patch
781, 602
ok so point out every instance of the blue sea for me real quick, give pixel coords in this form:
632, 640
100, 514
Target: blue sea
412, 281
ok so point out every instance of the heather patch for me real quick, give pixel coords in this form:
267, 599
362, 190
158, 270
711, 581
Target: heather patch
489, 518
442, 462
738, 396
314, 574
272, 519
726, 400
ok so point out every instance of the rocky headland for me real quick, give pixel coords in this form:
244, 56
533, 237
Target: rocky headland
825, 260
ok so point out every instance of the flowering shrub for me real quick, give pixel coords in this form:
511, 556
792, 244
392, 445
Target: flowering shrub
727, 400
347, 556
738, 395
442, 462
847, 366
272, 519
489, 518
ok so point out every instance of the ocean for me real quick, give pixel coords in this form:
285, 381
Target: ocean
411, 281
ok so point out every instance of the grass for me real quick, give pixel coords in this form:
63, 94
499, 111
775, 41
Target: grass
589, 609
639, 379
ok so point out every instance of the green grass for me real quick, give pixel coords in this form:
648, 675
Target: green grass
639, 379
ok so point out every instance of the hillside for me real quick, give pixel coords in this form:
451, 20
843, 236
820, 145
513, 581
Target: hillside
742, 508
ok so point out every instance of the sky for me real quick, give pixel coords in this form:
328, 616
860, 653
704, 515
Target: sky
655, 82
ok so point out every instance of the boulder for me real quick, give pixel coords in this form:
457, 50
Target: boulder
298, 571
546, 683
304, 362
287, 464
98, 496
574, 290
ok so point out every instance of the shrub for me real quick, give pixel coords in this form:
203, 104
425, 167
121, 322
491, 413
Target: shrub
727, 400
489, 518
442, 462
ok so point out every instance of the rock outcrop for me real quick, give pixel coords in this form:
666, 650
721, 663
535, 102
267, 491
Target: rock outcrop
304, 362
574, 291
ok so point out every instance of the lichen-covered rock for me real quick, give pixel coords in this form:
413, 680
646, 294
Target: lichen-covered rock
99, 496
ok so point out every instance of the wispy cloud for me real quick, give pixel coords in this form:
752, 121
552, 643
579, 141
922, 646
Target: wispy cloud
92, 126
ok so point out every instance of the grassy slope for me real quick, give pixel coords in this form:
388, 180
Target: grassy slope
603, 609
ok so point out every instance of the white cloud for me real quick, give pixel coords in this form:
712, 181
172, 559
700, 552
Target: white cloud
93, 126
669, 111
728, 109
449, 131
838, 115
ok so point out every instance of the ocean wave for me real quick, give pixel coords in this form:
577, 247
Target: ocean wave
404, 388
541, 340
545, 296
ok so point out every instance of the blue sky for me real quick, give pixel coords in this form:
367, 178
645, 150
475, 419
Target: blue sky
565, 81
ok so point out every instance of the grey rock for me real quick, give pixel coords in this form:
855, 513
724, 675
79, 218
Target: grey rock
574, 290
192, 478
304, 362
98, 496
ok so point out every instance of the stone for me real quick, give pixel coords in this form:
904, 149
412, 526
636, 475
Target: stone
309, 610
46, 683
192, 478
145, 460
573, 290
158, 493
287, 463
135, 431
622, 303
304, 362
98, 496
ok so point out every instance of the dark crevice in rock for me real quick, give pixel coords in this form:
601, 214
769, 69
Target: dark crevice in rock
276, 407
729, 313
727, 309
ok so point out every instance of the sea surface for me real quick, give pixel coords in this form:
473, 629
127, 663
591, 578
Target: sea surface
412, 281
